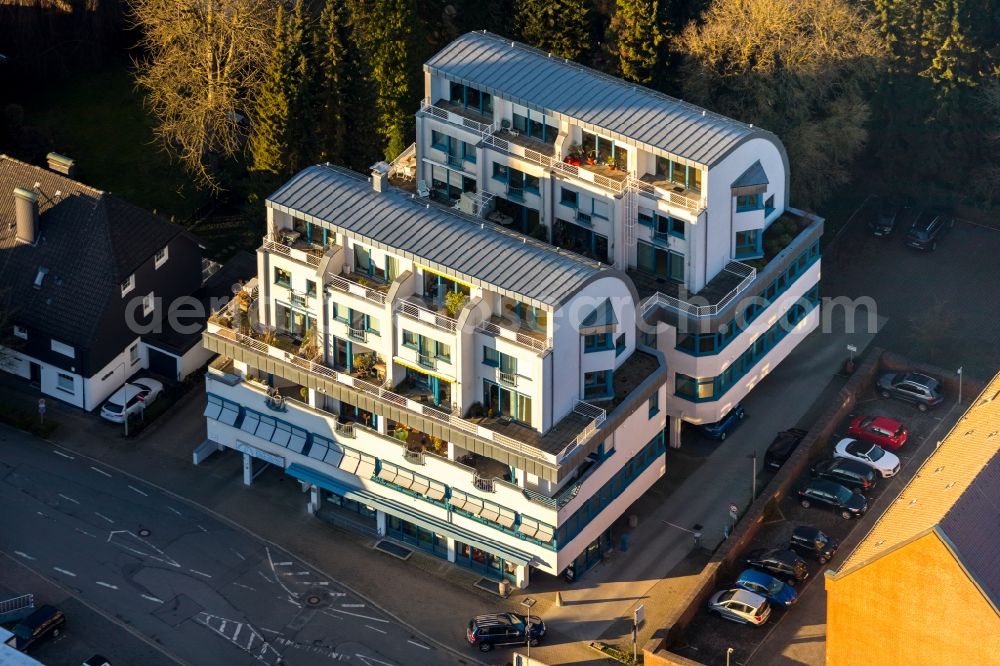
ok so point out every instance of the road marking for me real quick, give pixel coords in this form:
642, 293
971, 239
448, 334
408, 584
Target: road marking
375, 629
293, 602
107, 585
138, 491
419, 645
364, 617
372, 660
239, 628
85, 532
100, 471
68, 498
352, 605
103, 517
41, 514
64, 571
237, 553
264, 576
200, 573
24, 555
283, 564
64, 455
270, 631
245, 587
170, 508
146, 596
202, 528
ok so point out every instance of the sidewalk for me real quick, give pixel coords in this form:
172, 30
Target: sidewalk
437, 597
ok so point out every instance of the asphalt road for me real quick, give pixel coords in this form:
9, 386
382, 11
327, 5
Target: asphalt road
192, 587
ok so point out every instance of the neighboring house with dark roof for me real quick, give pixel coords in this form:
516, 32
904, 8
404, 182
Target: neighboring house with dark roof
77, 265
923, 586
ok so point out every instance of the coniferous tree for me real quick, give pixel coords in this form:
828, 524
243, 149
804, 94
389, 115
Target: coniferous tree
638, 27
560, 27
952, 59
331, 39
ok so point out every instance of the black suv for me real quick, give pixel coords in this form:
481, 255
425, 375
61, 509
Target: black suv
782, 564
832, 495
485, 631
782, 446
851, 473
883, 220
44, 622
813, 542
929, 226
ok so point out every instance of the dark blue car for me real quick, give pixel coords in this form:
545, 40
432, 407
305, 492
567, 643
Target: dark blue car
769, 587
721, 428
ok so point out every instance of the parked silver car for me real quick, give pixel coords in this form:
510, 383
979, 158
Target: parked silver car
740, 606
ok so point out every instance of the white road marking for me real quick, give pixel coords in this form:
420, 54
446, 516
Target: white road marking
282, 564
100, 471
381, 631
270, 631
166, 559
64, 455
239, 628
103, 517
372, 660
64, 571
237, 553
68, 498
202, 528
41, 514
149, 598
352, 605
107, 585
293, 602
200, 573
264, 576
138, 491
170, 508
364, 617
245, 587
85, 532
418, 644
270, 561
24, 555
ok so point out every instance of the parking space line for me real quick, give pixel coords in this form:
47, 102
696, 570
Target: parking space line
103, 517
85, 532
64, 571
64, 455
23, 554
107, 585
375, 629
100, 471
200, 573
419, 645
68, 498
138, 491
170, 508
149, 598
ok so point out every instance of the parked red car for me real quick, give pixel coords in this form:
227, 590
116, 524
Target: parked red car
887, 433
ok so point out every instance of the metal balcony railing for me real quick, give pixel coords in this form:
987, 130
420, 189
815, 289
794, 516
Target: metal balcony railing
426, 361
340, 283
274, 244
487, 485
357, 334
415, 457
738, 268
414, 311
345, 429
508, 378
495, 330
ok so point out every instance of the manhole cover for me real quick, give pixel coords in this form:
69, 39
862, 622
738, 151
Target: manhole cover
314, 600
143, 532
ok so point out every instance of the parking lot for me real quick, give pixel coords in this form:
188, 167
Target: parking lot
708, 636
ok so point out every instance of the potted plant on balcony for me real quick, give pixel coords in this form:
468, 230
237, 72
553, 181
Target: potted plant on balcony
364, 364
454, 301
309, 349
575, 155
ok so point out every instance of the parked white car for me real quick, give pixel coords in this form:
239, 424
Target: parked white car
130, 399
873, 455
740, 606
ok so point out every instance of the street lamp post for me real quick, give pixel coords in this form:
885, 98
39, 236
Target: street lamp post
528, 602
729, 653
960, 386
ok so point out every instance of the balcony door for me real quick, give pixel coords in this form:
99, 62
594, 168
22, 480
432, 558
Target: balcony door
505, 402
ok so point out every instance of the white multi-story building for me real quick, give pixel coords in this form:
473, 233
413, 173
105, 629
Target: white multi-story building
454, 380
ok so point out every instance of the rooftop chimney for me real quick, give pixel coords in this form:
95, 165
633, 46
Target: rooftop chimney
61, 164
380, 176
26, 212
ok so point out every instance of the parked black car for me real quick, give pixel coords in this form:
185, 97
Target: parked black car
851, 473
485, 631
44, 622
913, 387
928, 228
782, 446
783, 564
832, 495
884, 216
811, 541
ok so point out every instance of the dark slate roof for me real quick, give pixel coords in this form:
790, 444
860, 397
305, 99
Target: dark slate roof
90, 242
532, 78
602, 315
754, 175
973, 527
451, 243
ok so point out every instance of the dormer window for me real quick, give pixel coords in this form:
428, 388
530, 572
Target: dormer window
129, 284
161, 257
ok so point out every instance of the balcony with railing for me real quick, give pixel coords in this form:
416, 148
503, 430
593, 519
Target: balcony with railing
290, 244
428, 312
518, 332
372, 291
507, 378
459, 115
675, 194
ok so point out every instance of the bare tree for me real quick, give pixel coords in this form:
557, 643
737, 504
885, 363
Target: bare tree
203, 63
798, 69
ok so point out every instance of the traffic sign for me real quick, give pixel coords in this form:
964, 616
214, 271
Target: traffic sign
734, 511
639, 618
41, 406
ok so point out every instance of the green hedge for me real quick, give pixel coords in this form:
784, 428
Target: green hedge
27, 420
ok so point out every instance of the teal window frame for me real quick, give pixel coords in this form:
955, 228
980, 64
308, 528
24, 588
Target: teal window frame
665, 262
596, 342
484, 105
569, 198
619, 345
491, 357
442, 351
654, 404
769, 205
746, 203
410, 339
439, 140
750, 246
280, 279
311, 288
501, 172
598, 384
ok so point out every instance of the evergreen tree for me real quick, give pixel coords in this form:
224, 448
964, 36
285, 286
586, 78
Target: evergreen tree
331, 39
560, 27
952, 59
638, 27
277, 132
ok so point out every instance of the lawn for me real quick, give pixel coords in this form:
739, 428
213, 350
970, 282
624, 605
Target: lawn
100, 122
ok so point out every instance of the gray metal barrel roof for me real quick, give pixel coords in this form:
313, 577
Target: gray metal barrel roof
531, 77
451, 243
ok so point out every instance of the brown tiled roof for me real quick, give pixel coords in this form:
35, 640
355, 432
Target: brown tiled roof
89, 241
957, 493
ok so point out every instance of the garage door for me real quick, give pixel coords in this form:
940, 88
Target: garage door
162, 364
